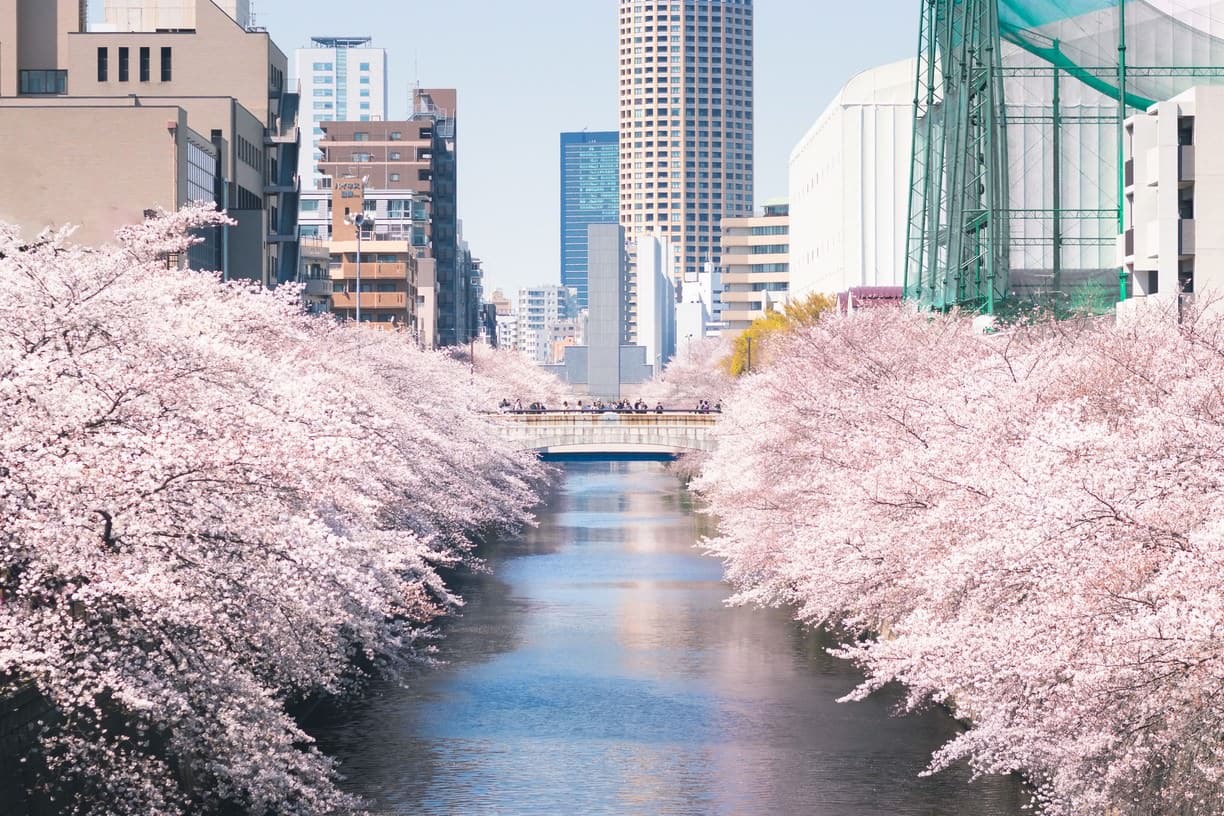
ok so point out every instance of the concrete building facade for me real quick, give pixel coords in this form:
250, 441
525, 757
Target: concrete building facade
340, 79
541, 311
172, 117
167, 15
410, 168
756, 266
382, 280
686, 121
590, 194
1174, 194
849, 186
656, 281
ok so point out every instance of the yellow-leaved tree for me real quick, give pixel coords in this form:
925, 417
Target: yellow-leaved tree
751, 347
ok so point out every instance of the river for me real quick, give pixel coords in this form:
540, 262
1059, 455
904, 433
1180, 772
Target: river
597, 670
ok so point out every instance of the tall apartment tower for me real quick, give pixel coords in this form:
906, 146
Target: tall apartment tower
686, 122
343, 79
590, 194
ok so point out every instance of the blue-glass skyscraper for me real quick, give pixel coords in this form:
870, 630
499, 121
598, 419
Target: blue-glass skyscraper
590, 194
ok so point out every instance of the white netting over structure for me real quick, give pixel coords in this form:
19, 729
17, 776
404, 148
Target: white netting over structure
1033, 216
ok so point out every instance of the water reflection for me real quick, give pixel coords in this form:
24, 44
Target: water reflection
598, 671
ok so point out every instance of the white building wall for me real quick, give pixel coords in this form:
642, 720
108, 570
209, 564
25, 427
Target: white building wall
154, 15
849, 186
332, 86
656, 299
1174, 201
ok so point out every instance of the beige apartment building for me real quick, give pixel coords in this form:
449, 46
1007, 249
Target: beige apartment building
102, 127
409, 171
756, 265
388, 283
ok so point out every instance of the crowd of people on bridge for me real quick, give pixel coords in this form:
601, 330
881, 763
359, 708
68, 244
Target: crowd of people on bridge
599, 406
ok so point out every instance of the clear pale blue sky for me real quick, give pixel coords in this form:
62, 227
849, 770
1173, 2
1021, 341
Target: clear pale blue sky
530, 69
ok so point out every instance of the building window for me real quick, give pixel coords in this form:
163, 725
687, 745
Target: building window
103, 64
166, 64
397, 136
144, 64
395, 176
393, 157
364, 80
361, 136
365, 106
123, 64
322, 66
51, 81
365, 66
364, 92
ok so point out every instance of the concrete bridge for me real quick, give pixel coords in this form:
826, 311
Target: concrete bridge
609, 433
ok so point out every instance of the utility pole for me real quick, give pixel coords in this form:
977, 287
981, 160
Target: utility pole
748, 367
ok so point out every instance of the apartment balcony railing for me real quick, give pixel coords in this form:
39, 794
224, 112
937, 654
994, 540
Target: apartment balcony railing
293, 184
318, 287
370, 300
1185, 163
1185, 237
371, 271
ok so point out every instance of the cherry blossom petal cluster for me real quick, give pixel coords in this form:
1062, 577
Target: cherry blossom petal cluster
214, 508
1026, 526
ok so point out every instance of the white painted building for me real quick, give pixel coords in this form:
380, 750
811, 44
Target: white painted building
849, 186
656, 299
166, 15
538, 310
343, 79
1174, 186
699, 307
507, 331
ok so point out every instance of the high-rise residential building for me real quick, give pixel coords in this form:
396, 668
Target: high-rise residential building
686, 121
342, 79
148, 119
382, 279
849, 186
756, 266
590, 194
167, 15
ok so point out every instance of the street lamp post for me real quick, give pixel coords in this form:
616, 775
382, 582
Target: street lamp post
360, 221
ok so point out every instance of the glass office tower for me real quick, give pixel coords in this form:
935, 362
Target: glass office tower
590, 194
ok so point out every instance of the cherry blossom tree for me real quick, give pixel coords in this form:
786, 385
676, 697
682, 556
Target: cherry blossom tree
1024, 526
214, 506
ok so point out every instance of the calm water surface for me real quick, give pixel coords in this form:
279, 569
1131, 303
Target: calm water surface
598, 671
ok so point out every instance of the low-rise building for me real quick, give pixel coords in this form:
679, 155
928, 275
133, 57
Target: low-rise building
138, 120
756, 265
1172, 248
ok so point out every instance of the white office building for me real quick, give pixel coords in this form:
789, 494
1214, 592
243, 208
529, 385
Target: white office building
656, 291
343, 79
849, 186
539, 309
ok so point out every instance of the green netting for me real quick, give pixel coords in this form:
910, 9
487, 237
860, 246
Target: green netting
1016, 184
